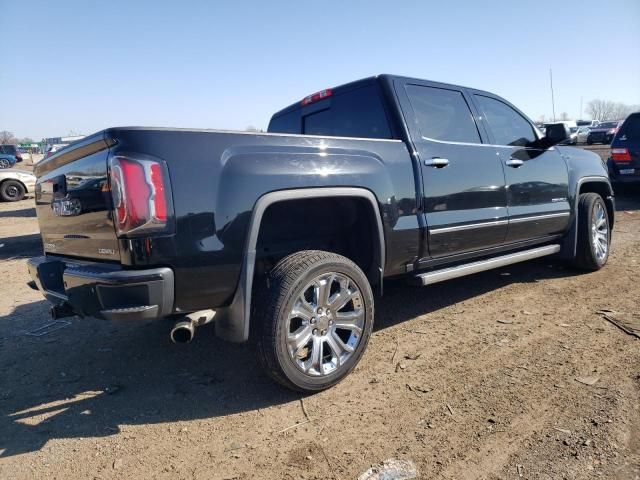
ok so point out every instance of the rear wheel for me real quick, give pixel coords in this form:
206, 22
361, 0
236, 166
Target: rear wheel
4, 163
594, 236
312, 319
12, 191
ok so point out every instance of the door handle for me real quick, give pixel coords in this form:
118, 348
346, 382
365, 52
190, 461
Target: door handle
436, 162
514, 163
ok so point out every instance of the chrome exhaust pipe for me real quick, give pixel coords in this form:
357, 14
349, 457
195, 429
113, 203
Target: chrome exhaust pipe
185, 330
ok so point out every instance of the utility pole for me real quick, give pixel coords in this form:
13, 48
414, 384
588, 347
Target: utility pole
580, 107
553, 102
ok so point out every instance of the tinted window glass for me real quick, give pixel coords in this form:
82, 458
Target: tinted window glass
286, 123
355, 113
631, 128
443, 114
507, 125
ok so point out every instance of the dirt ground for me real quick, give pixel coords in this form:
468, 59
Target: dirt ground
505, 374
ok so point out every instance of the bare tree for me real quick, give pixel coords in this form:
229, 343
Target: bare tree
564, 116
607, 110
251, 128
7, 137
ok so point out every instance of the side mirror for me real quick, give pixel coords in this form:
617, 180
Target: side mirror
556, 133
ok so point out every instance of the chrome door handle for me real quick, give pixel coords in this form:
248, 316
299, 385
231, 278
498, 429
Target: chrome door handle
514, 163
436, 162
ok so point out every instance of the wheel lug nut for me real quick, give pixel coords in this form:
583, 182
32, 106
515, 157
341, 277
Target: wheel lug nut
324, 332
330, 322
315, 331
319, 310
313, 320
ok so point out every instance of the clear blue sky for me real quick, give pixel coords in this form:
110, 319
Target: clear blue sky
85, 65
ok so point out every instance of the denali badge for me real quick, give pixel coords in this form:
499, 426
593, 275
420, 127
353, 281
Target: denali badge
106, 251
49, 246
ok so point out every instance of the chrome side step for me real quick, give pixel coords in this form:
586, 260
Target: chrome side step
436, 276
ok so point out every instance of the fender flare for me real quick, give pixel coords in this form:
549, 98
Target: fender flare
570, 242
233, 323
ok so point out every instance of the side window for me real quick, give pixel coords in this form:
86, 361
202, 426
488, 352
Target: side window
507, 125
443, 114
286, 123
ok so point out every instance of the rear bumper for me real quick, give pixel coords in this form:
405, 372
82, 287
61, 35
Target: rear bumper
104, 290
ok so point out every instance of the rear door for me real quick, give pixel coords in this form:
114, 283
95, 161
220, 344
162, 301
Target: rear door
464, 198
537, 179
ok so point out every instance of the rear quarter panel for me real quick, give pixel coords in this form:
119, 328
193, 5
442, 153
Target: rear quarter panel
217, 177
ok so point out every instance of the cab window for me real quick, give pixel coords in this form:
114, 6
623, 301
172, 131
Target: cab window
506, 124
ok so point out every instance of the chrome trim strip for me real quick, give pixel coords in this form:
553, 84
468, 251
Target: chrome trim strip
454, 272
539, 217
448, 142
468, 226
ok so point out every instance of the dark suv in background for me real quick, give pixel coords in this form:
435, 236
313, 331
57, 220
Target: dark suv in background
624, 163
603, 133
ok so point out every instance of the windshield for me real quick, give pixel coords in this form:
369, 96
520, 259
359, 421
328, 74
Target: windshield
608, 125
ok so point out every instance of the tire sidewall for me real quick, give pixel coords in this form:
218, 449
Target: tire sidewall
289, 368
7, 184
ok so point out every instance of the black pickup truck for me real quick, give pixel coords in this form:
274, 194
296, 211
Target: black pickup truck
283, 238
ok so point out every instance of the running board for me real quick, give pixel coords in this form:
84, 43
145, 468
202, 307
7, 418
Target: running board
436, 276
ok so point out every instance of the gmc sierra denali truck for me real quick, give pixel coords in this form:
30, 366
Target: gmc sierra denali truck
283, 238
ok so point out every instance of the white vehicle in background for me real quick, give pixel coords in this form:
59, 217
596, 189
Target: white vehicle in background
51, 149
16, 184
582, 134
573, 131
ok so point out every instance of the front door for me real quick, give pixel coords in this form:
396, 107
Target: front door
537, 179
464, 195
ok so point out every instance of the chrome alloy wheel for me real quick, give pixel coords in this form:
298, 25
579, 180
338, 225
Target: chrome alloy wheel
325, 324
600, 232
4, 163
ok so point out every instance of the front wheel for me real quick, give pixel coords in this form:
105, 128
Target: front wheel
594, 237
312, 319
4, 163
12, 191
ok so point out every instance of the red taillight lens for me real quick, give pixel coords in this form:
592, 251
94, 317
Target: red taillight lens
141, 195
321, 95
620, 155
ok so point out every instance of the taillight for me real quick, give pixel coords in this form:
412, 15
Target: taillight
620, 155
321, 95
141, 195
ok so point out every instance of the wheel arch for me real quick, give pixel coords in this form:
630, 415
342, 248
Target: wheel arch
234, 321
595, 184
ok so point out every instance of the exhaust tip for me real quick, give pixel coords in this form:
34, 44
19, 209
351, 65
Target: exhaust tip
183, 332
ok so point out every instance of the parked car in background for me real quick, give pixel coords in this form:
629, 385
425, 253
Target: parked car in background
7, 161
624, 163
15, 184
587, 123
603, 133
11, 150
582, 134
51, 149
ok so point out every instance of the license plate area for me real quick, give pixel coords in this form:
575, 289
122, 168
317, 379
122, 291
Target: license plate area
627, 171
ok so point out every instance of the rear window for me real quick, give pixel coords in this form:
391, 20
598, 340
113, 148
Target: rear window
355, 113
630, 128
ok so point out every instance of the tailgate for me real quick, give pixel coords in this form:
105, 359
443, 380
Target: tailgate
73, 202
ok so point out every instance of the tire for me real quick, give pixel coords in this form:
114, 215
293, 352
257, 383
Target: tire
12, 191
589, 141
594, 233
289, 300
4, 163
